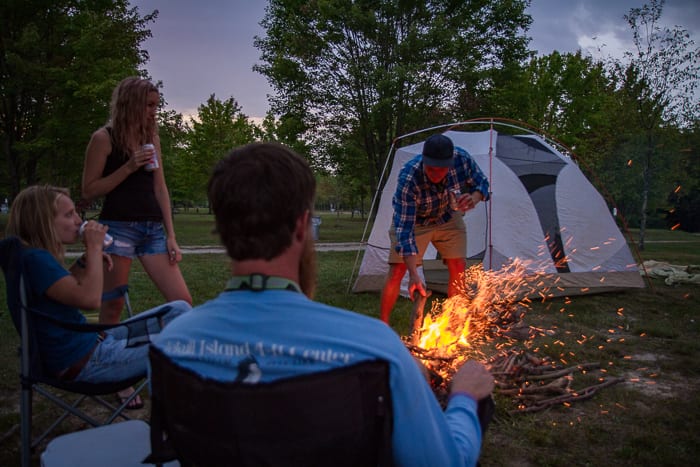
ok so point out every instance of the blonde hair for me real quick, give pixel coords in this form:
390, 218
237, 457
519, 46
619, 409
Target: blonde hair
130, 127
32, 216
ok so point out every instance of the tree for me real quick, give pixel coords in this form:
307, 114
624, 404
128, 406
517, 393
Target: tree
219, 127
59, 61
268, 130
685, 196
356, 74
174, 135
566, 96
659, 81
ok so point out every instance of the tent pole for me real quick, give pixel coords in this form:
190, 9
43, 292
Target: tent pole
489, 208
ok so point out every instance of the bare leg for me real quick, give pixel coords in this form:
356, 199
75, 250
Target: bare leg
390, 292
167, 277
111, 311
455, 268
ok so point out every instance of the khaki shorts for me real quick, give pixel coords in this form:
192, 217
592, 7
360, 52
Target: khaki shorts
449, 239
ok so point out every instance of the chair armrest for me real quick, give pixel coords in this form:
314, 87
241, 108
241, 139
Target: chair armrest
96, 327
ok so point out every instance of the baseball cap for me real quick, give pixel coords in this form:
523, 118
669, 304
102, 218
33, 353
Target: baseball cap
438, 151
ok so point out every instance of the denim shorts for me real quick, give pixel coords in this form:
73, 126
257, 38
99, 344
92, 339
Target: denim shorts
133, 239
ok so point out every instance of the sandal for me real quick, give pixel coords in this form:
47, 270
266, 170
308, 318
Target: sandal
134, 404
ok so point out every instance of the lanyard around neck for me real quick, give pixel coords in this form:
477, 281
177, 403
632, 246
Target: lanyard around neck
259, 282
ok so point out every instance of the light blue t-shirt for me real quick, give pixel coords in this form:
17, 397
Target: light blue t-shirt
266, 335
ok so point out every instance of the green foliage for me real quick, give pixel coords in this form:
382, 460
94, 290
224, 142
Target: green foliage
174, 134
365, 72
219, 127
663, 72
632, 123
59, 62
657, 89
349, 77
563, 95
684, 212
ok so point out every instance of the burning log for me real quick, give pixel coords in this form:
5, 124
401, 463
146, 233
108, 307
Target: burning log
417, 315
423, 354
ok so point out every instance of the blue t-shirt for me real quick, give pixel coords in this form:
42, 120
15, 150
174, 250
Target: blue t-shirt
59, 348
257, 336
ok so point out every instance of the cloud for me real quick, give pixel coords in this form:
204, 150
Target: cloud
598, 27
600, 31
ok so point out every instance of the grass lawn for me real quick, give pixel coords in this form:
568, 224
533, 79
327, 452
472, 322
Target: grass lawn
649, 337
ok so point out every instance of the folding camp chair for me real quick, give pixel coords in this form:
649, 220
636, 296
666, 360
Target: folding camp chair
341, 417
34, 378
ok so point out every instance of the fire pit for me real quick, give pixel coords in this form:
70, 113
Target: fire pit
488, 311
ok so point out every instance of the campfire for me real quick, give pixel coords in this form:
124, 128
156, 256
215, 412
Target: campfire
489, 313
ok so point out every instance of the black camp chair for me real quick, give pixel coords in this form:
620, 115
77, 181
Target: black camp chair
33, 377
341, 417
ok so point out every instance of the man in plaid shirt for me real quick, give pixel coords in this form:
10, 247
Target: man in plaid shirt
424, 213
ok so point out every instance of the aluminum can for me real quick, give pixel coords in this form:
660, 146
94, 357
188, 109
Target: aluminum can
453, 194
153, 165
108, 240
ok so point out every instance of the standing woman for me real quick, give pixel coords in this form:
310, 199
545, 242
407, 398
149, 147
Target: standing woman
136, 201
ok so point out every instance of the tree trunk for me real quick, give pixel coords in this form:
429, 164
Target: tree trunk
646, 183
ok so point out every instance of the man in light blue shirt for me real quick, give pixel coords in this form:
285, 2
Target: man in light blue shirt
265, 326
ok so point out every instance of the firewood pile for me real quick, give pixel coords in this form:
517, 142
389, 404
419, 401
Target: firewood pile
534, 383
537, 383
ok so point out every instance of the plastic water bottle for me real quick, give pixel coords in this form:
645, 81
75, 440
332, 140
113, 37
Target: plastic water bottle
108, 240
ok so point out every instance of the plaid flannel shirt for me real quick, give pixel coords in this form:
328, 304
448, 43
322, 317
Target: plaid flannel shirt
420, 202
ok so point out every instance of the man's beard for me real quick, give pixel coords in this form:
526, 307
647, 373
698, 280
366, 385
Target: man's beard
308, 267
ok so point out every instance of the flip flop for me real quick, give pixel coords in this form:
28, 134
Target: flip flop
134, 404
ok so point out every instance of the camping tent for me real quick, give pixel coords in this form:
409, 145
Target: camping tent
543, 211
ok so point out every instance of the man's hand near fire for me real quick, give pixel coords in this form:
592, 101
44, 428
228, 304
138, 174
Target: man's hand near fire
415, 283
472, 379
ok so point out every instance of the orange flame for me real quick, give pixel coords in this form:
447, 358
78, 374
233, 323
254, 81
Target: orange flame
489, 301
457, 327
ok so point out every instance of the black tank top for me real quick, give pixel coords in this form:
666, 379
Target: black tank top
134, 198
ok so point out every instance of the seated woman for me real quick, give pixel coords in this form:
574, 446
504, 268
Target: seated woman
45, 220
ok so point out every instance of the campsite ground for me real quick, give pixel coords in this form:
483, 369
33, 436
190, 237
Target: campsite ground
650, 338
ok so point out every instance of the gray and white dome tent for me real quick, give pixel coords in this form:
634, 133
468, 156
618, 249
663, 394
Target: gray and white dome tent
543, 211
